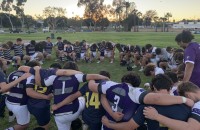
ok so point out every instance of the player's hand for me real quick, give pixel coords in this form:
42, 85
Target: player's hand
105, 121
54, 107
117, 116
25, 76
36, 67
150, 113
189, 102
49, 96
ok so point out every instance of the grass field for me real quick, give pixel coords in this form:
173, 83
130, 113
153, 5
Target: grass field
156, 39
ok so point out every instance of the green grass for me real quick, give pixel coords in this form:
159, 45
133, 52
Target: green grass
156, 39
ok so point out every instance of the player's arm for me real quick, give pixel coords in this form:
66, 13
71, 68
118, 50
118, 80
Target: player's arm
188, 71
192, 124
24, 68
37, 76
67, 72
32, 93
96, 77
66, 101
4, 87
164, 99
115, 115
93, 86
130, 125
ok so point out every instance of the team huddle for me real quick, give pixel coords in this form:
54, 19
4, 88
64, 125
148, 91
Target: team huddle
95, 101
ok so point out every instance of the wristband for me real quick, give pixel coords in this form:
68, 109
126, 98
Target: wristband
184, 99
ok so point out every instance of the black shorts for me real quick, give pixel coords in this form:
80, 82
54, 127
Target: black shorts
42, 114
101, 53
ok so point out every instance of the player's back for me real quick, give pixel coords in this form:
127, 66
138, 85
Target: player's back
18, 93
93, 109
120, 101
63, 86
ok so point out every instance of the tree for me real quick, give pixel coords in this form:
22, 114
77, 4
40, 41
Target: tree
8, 5
103, 23
167, 16
155, 19
148, 17
19, 9
53, 15
163, 19
123, 9
29, 21
95, 10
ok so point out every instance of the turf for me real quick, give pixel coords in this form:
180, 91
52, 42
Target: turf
158, 39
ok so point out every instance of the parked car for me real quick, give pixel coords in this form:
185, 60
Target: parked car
46, 29
16, 31
1, 31
70, 30
31, 31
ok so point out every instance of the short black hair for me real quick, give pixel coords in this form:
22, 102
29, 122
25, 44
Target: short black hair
56, 66
33, 42
70, 65
19, 39
132, 78
105, 73
148, 46
59, 38
158, 51
168, 49
178, 37
33, 63
172, 76
186, 36
162, 81
47, 38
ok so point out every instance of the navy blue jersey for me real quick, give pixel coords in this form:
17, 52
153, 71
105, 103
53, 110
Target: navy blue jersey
101, 47
77, 49
93, 109
83, 49
44, 73
178, 112
39, 103
93, 47
69, 49
2, 77
7, 54
122, 98
60, 46
30, 49
63, 86
18, 50
1, 54
17, 94
48, 47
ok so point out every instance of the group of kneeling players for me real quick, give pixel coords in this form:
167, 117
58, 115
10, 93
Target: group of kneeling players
100, 103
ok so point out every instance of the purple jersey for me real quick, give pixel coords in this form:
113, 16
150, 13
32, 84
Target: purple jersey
63, 86
192, 55
196, 111
48, 47
122, 98
17, 94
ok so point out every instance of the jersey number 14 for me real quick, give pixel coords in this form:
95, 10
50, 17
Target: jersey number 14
93, 101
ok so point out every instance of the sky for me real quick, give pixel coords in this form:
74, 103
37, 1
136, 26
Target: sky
189, 9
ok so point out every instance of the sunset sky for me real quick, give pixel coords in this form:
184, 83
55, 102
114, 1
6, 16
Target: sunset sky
180, 9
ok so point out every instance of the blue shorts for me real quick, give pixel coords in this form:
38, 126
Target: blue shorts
42, 114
